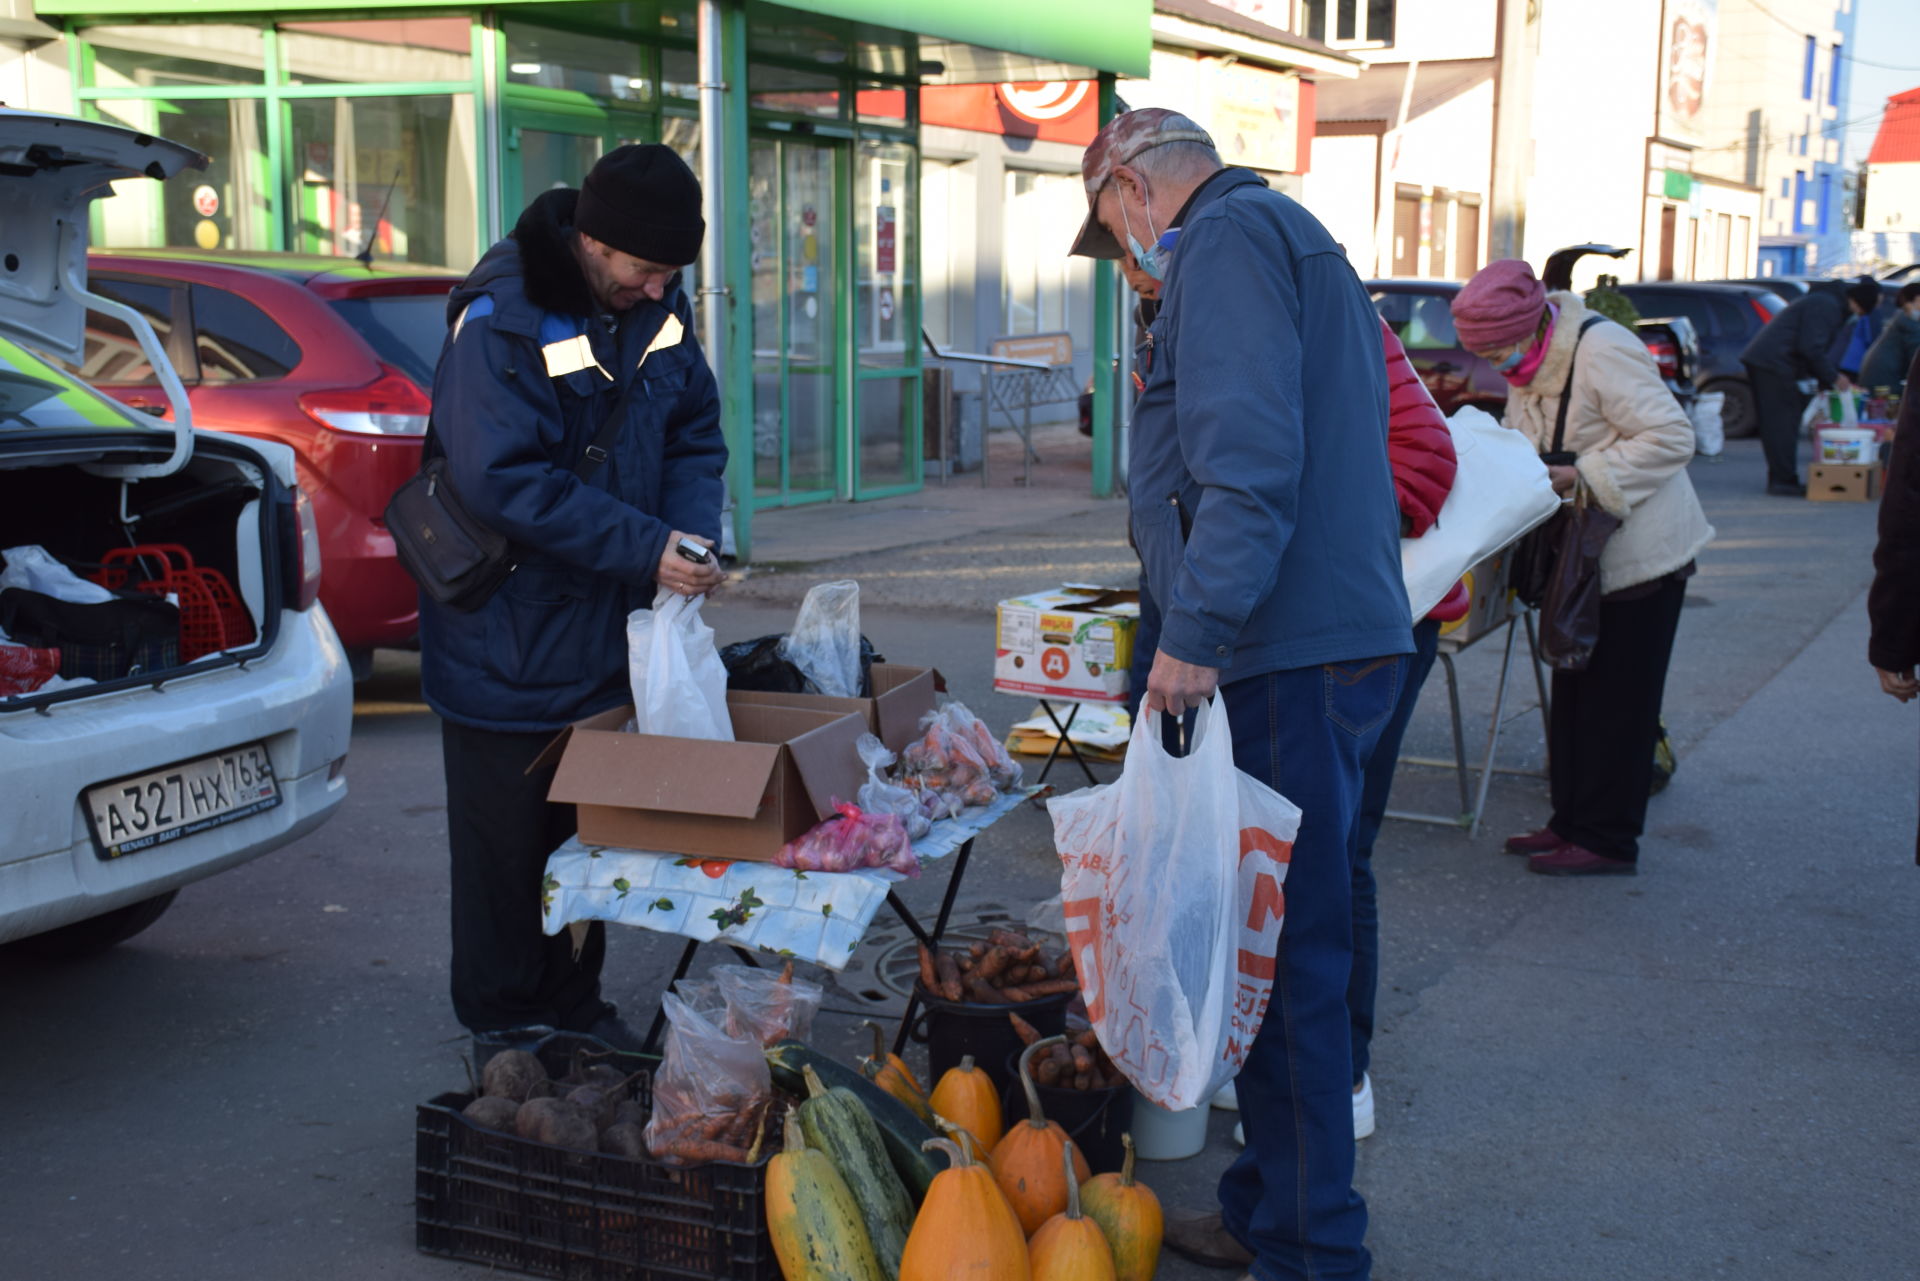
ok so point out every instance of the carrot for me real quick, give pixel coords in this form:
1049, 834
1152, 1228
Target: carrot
929, 979
1082, 1060
949, 973
994, 963
1047, 1072
786, 974
1085, 1037
697, 1152
1083, 1080
976, 949
1052, 987
1063, 968
1009, 938
984, 992
1026, 1031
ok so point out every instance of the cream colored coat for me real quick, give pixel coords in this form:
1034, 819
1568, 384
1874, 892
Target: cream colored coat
1633, 439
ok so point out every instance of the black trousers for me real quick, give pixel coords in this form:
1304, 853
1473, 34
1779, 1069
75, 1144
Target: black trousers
1779, 404
1604, 722
500, 829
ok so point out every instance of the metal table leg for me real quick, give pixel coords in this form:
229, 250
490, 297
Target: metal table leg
932, 940
1493, 730
1064, 743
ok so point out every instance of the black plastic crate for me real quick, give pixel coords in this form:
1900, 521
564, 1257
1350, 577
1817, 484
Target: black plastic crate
495, 1198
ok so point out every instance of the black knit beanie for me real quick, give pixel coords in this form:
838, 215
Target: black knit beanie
1865, 293
643, 200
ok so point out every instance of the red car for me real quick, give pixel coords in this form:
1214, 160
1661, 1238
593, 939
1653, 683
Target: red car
327, 356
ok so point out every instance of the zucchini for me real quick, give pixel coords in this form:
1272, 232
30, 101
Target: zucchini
837, 1123
901, 1131
812, 1219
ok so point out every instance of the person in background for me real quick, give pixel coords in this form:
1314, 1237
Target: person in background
1893, 602
1791, 348
1633, 442
1263, 512
578, 312
1887, 361
1861, 333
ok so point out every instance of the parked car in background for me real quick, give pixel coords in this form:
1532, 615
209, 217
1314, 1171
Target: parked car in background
151, 761
1420, 313
329, 357
1725, 318
1788, 287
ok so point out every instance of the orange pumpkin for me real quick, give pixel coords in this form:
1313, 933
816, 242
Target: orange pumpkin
965, 1230
1027, 1160
891, 1073
1129, 1213
1070, 1246
966, 1097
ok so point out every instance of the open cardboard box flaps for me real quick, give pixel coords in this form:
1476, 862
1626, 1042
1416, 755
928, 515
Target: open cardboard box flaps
901, 696
743, 799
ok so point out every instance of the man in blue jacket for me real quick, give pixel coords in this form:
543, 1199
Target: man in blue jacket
1264, 513
578, 315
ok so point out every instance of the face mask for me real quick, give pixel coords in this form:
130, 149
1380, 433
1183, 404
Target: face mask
1511, 362
1148, 256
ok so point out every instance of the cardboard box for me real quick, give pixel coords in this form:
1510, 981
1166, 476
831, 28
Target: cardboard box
743, 799
1491, 600
1074, 643
901, 696
1843, 483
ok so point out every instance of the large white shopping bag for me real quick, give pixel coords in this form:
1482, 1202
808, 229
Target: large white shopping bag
679, 683
1171, 879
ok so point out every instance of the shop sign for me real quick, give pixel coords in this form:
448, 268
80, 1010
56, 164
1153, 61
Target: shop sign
1686, 58
1052, 111
1051, 349
1253, 114
883, 240
206, 201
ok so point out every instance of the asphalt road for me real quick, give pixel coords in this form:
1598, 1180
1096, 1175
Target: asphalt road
1708, 1071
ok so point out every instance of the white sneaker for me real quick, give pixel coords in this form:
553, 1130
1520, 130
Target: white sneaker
1362, 1113
1227, 1100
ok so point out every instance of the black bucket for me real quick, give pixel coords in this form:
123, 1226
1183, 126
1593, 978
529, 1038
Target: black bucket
1093, 1119
951, 1030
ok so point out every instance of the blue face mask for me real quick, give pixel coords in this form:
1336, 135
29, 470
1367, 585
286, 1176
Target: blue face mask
1511, 362
1148, 256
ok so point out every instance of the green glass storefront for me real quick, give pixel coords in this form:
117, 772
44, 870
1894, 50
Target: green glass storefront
429, 126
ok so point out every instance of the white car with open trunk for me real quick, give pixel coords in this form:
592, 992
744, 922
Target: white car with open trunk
117, 791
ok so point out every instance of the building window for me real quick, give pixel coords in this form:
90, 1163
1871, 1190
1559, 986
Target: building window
1038, 280
1806, 73
1354, 21
1833, 79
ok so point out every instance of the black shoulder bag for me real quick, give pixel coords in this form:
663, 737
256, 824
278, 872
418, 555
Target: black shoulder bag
1534, 555
456, 559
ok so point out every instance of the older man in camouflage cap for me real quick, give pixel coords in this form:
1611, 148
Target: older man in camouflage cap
1264, 513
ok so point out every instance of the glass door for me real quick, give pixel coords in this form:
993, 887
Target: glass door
793, 230
887, 403
548, 149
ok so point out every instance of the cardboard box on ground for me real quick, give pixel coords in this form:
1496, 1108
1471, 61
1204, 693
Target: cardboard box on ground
1844, 483
792, 757
1074, 643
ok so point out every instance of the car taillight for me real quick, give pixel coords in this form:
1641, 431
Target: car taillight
1759, 309
1666, 355
390, 405
306, 548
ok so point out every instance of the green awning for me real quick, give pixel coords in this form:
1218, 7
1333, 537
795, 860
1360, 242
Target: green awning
1106, 35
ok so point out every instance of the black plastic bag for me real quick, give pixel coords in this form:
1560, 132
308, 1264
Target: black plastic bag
757, 665
1570, 606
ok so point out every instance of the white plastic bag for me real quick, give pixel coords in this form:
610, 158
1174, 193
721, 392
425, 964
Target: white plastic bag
825, 641
34, 568
679, 683
881, 795
1709, 433
1175, 982
1500, 491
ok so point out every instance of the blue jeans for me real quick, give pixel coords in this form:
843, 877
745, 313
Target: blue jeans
1288, 1197
1373, 810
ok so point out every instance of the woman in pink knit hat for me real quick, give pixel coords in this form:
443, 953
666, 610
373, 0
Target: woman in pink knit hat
1589, 397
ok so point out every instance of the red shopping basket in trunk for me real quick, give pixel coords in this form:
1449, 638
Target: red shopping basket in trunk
211, 615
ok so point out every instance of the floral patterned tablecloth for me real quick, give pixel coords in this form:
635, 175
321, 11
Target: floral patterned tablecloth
811, 916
